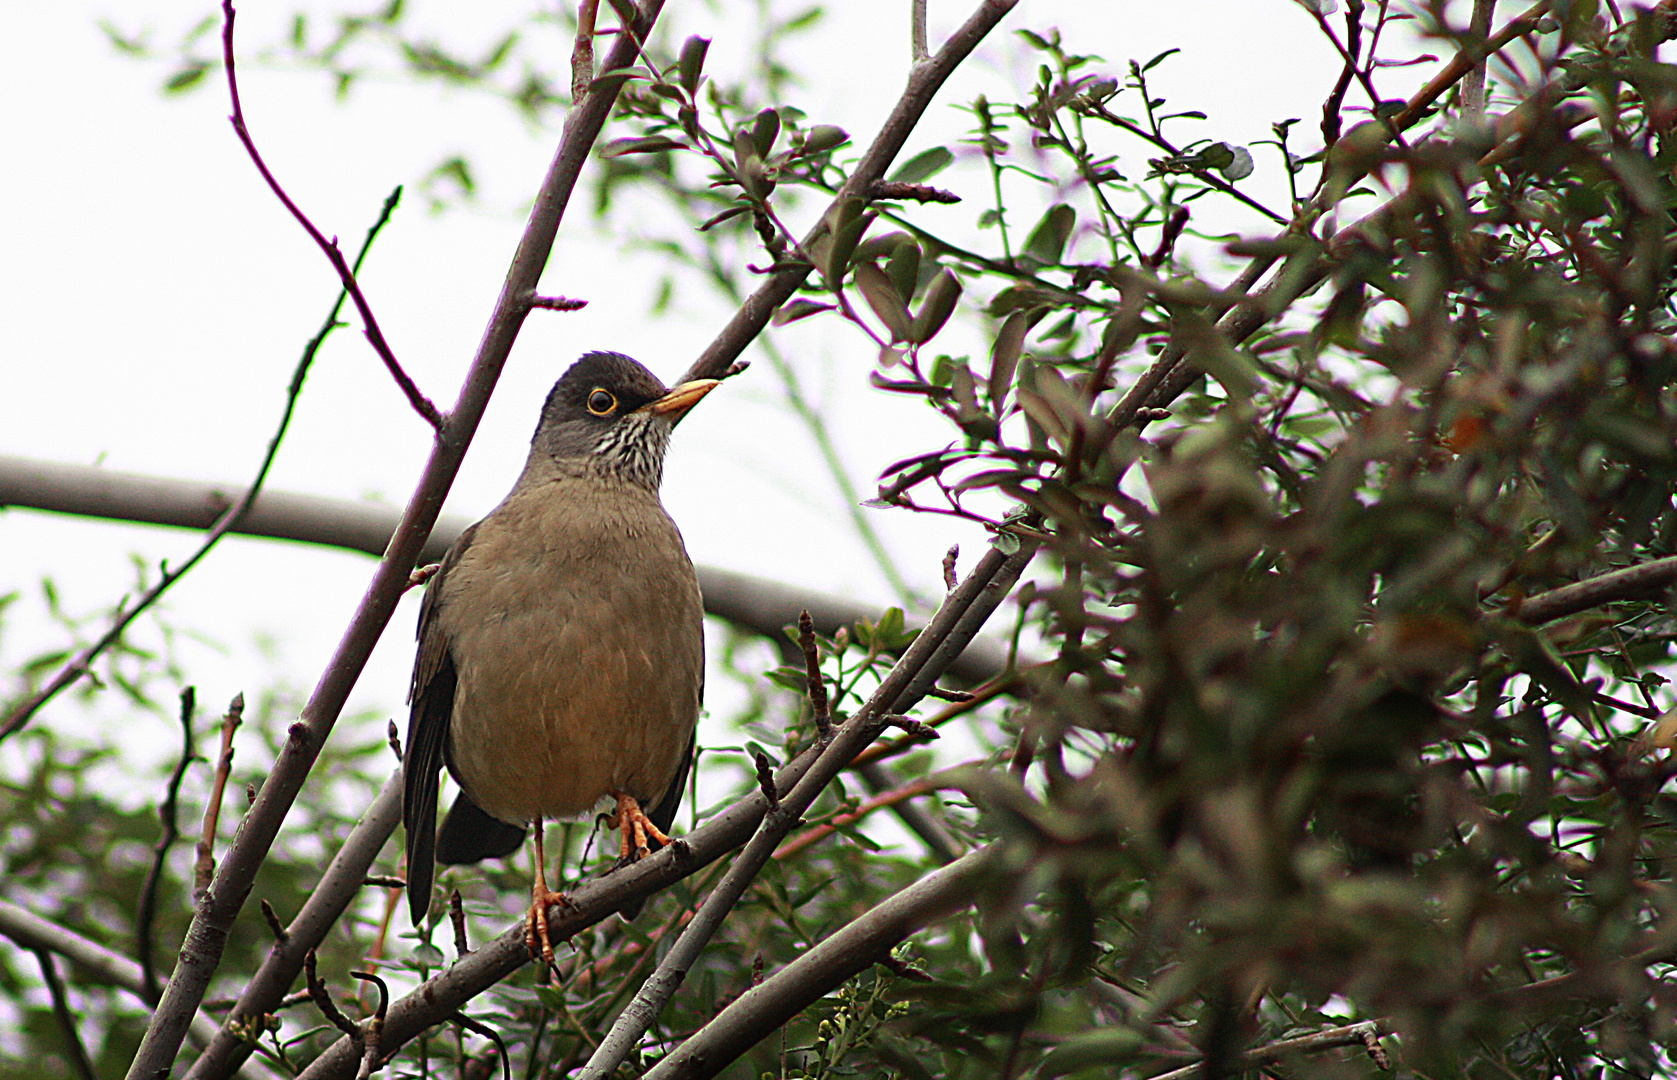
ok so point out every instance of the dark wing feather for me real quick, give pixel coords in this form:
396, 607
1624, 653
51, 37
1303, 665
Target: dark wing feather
469, 834
431, 706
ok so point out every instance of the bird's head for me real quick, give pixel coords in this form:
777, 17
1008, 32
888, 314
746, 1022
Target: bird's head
609, 414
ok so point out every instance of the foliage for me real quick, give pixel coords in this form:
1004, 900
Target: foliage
1297, 753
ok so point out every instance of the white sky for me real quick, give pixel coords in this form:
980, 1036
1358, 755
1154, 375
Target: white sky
154, 298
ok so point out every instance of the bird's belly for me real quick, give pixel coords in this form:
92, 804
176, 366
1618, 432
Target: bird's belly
552, 731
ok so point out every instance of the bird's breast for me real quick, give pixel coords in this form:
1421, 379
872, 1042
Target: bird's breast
574, 621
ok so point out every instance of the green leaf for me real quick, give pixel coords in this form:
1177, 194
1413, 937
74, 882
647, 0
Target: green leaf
941, 298
764, 130
1105, 1047
822, 138
793, 310
903, 268
1157, 60
1004, 357
883, 298
923, 166
1047, 242
691, 63
651, 144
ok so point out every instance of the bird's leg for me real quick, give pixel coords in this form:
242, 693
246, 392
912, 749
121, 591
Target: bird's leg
535, 929
637, 827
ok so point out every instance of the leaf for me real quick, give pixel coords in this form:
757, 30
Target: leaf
1239, 166
883, 297
1101, 1046
793, 310
764, 130
923, 166
1004, 357
650, 144
186, 78
691, 63
823, 137
1157, 60
941, 298
903, 268
1047, 241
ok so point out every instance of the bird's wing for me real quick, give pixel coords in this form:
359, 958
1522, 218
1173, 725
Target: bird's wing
663, 815
431, 704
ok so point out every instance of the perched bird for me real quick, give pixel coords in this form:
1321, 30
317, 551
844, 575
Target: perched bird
561, 659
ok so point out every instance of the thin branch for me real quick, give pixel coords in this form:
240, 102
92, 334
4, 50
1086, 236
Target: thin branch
751, 603
74, 1049
816, 685
917, 31
375, 337
1473, 83
145, 945
204, 870
962, 614
228, 520
212, 922
862, 942
1632, 583
1365, 1034
35, 933
886, 799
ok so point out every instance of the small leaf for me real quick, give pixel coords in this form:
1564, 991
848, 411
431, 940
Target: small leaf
716, 219
1239, 166
923, 166
764, 130
1004, 357
843, 245
883, 297
692, 62
941, 297
1108, 1047
1157, 60
823, 137
903, 268
651, 144
793, 310
1047, 241
186, 78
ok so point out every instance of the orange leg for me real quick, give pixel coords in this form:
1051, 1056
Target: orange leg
535, 929
636, 827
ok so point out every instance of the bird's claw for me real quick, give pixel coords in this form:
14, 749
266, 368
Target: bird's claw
637, 828
536, 937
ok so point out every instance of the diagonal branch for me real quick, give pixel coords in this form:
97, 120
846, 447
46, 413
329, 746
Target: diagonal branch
421, 404
212, 922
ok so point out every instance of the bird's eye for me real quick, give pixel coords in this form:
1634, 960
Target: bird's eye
601, 402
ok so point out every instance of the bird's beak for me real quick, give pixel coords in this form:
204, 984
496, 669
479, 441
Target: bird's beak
676, 403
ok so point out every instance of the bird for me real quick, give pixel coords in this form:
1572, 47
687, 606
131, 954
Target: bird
561, 652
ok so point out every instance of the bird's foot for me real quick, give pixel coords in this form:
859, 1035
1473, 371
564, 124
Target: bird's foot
636, 828
535, 926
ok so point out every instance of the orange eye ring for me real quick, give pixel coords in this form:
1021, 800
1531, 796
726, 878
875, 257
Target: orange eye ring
601, 402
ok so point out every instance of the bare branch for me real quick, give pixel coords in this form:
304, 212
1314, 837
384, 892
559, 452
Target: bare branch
212, 922
869, 938
812, 676
375, 337
887, 799
74, 1048
1631, 583
1365, 1034
204, 871
145, 944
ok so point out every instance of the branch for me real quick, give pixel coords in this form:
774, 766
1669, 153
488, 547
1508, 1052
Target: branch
764, 1008
436, 1000
421, 404
925, 79
223, 522
751, 603
1365, 1034
213, 920
1631, 583
913, 790
168, 813
74, 1048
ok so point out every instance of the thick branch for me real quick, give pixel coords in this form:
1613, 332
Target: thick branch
212, 922
1631, 583
751, 603
764, 1008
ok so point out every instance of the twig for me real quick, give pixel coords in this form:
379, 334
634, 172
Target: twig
917, 31
582, 53
949, 558
373, 1035
862, 942
478, 1028
346, 275
751, 603
271, 917
1365, 1034
817, 686
1005, 684
204, 870
1473, 83
1631, 583
74, 1049
457, 916
228, 519
213, 920
322, 999
557, 303
145, 944
866, 807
